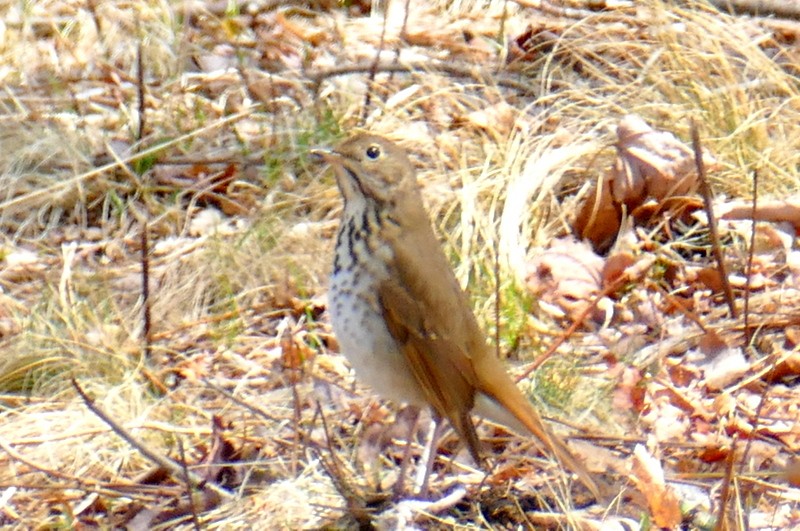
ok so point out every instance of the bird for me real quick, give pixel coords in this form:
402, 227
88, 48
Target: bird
399, 314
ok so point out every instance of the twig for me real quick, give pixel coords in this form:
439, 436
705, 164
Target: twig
725, 493
755, 422
681, 307
148, 330
174, 468
759, 8
404, 27
140, 91
705, 191
187, 478
230, 396
20, 202
611, 288
93, 484
478, 74
373, 71
536, 363
748, 334
354, 499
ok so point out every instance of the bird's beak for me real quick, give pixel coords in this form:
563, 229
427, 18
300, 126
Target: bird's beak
326, 155
345, 178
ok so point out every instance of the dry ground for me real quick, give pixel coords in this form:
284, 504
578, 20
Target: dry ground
194, 120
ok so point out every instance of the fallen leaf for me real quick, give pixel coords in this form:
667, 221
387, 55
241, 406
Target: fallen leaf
724, 368
566, 275
306, 33
531, 44
498, 118
629, 393
710, 278
661, 499
775, 211
651, 164
793, 472
599, 217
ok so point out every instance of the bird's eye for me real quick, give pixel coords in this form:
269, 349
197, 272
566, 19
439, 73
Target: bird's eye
373, 152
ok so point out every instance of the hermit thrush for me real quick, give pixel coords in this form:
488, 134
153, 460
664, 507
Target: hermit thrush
401, 318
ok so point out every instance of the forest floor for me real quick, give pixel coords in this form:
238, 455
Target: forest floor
554, 145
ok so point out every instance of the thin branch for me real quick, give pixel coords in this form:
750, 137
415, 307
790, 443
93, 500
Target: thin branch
751, 252
705, 191
753, 431
187, 478
630, 275
353, 497
373, 71
250, 407
140, 91
478, 74
725, 492
106, 487
174, 468
20, 202
148, 330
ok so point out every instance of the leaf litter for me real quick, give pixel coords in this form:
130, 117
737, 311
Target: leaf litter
667, 395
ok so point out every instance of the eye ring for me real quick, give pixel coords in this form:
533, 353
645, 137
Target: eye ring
373, 152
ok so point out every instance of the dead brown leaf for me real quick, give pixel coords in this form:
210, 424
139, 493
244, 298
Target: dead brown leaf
651, 164
629, 392
615, 267
787, 368
599, 217
711, 279
567, 275
787, 210
532, 44
661, 499
309, 34
498, 118
793, 472
653, 173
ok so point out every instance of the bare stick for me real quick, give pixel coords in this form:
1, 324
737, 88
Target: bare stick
748, 334
250, 407
755, 422
611, 288
403, 32
148, 337
168, 464
354, 499
374, 69
187, 478
140, 91
725, 492
705, 191
468, 71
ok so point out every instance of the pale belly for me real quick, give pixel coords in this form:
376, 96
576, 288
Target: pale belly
366, 343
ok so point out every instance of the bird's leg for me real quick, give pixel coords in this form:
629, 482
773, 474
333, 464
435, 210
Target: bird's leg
429, 454
412, 428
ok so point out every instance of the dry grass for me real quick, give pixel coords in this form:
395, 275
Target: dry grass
237, 297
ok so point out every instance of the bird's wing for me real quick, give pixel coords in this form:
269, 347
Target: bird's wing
442, 371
